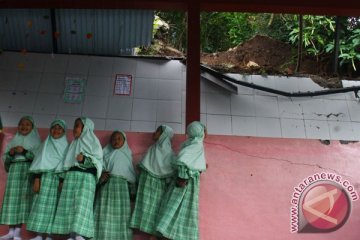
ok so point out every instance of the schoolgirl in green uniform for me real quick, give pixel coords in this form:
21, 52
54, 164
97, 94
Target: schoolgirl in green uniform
112, 202
18, 156
178, 217
156, 173
47, 159
82, 167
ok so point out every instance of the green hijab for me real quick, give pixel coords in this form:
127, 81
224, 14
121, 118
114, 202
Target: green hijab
52, 152
192, 150
118, 162
87, 144
30, 142
159, 157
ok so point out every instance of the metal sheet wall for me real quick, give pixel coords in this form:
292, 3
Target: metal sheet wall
82, 31
28, 29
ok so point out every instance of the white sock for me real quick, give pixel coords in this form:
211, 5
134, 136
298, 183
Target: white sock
38, 237
17, 232
17, 238
72, 236
78, 237
9, 235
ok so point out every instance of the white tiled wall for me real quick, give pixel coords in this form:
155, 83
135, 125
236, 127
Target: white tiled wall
144, 110
293, 128
219, 124
244, 125
33, 84
257, 113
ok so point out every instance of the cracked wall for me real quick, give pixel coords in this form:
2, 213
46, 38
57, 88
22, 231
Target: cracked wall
246, 191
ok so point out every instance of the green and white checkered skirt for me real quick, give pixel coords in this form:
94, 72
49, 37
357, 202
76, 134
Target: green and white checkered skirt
44, 204
75, 208
179, 211
112, 210
18, 195
148, 199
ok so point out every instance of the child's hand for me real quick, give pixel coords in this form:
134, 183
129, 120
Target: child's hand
36, 185
181, 182
19, 149
12, 151
104, 177
80, 158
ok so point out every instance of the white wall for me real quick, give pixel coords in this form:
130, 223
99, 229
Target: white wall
257, 113
34, 83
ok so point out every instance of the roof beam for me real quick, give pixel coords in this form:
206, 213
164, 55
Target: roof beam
336, 8
316, 7
193, 65
97, 4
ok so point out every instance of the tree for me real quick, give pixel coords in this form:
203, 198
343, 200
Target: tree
223, 30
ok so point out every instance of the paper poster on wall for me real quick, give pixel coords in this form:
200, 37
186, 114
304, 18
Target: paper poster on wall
74, 90
122, 84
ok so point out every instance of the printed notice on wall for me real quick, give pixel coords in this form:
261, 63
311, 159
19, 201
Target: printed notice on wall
74, 90
122, 84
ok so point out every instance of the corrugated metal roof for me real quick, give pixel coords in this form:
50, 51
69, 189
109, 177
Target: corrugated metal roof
81, 31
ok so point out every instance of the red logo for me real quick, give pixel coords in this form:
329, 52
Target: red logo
324, 207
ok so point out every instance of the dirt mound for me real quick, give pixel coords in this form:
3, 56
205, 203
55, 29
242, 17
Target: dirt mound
259, 55
266, 56
268, 53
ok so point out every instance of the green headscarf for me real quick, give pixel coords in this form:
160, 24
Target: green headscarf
30, 142
159, 157
87, 144
192, 150
118, 162
52, 151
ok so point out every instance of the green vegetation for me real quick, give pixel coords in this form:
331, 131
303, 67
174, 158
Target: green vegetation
223, 30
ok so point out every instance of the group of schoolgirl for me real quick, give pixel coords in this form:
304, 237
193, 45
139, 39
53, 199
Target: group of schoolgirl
83, 191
